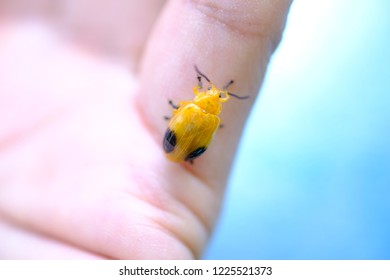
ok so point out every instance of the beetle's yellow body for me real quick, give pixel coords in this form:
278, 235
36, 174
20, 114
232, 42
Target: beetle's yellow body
194, 123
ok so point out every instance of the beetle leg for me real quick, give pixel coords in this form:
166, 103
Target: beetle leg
173, 105
199, 81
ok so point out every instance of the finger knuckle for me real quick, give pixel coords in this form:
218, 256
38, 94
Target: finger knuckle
248, 19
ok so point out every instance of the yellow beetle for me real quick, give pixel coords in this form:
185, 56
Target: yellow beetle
194, 123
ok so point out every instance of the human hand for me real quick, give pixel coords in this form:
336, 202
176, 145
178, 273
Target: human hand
83, 92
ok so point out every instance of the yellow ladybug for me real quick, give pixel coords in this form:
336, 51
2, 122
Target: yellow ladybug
194, 123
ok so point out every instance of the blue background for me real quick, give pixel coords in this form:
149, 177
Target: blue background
312, 176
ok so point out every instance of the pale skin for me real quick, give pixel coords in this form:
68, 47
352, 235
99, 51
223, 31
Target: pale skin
83, 95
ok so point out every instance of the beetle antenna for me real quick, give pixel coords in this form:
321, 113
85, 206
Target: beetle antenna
201, 74
237, 96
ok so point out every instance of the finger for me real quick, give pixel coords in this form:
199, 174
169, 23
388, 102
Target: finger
18, 243
226, 40
117, 28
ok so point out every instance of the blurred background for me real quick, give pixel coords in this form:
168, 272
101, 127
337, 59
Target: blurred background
312, 177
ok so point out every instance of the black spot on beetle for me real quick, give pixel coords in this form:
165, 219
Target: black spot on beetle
169, 142
195, 153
